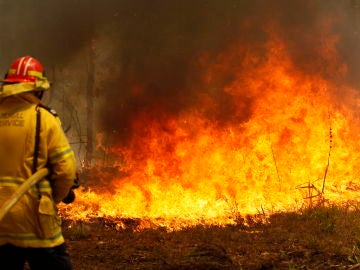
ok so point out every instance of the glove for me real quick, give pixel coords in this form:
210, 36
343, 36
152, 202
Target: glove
70, 197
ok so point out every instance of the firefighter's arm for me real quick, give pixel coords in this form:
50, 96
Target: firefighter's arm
62, 177
61, 160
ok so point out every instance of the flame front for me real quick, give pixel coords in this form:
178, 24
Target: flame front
290, 129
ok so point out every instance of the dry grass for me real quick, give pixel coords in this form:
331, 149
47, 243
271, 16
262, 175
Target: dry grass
316, 238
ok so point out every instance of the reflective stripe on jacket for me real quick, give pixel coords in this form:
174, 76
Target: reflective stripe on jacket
33, 221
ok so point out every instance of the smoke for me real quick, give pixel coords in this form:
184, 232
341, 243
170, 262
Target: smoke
160, 46
166, 48
51, 31
159, 50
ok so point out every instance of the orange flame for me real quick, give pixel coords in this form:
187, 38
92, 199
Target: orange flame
189, 169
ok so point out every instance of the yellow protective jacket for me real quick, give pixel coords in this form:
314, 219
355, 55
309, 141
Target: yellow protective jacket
34, 220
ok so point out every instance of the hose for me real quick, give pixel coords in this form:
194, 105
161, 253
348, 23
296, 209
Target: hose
15, 197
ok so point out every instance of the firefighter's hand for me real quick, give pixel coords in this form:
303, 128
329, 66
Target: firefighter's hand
70, 197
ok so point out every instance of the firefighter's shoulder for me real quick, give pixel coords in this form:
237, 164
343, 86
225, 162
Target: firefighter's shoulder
49, 109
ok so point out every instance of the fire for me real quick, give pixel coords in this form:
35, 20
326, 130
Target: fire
289, 131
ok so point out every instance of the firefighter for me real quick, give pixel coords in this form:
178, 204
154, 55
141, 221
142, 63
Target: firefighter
31, 138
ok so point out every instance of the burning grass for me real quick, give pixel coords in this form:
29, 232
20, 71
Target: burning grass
314, 238
286, 138
255, 174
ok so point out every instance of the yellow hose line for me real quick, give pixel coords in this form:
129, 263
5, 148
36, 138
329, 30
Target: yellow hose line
15, 197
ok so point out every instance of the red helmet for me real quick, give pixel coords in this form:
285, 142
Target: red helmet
24, 69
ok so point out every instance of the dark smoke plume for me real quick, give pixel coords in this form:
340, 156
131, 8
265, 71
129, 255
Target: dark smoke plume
162, 41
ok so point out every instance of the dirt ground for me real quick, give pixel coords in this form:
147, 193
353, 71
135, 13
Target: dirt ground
319, 240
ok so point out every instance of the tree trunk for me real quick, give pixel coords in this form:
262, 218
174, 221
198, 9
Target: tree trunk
90, 107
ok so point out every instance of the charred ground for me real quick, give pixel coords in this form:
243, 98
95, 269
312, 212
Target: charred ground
316, 238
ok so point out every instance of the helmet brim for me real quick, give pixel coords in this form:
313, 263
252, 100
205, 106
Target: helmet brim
14, 80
